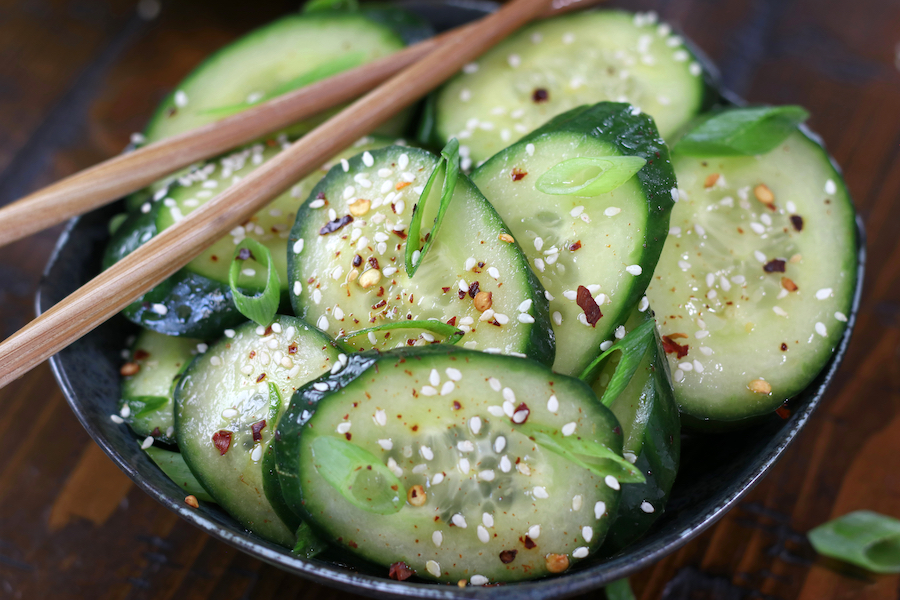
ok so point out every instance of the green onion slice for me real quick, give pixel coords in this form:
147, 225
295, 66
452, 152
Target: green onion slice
173, 465
633, 347
274, 403
863, 538
741, 131
358, 475
260, 307
144, 405
435, 199
619, 589
586, 176
451, 334
593, 456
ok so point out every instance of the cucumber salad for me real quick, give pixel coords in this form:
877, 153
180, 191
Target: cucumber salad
466, 355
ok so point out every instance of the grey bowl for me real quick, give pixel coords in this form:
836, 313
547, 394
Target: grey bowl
717, 470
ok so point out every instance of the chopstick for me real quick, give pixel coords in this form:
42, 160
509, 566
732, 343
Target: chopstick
113, 289
112, 179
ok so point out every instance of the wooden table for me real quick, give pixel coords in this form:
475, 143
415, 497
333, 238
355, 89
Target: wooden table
77, 77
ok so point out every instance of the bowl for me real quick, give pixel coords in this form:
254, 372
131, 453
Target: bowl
717, 469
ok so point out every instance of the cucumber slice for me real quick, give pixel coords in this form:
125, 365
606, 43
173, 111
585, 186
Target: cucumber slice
173, 465
458, 487
197, 300
148, 393
756, 278
286, 54
227, 406
651, 426
347, 260
557, 64
608, 243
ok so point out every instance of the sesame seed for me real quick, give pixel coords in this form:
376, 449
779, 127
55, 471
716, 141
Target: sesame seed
437, 479
494, 383
830, 187
514, 60
181, 99
505, 464
367, 159
557, 317
612, 482
634, 270
436, 538
540, 492
529, 149
587, 533
345, 165
116, 419
759, 256
821, 330
678, 375
499, 444
695, 69
569, 428
434, 378
779, 311
568, 38
538, 243
599, 509
539, 264
464, 466
386, 444
501, 318
701, 334
478, 579
433, 568
581, 552
840, 317
447, 388
576, 212
403, 161
493, 272
459, 521
698, 366
823, 293
475, 424
427, 390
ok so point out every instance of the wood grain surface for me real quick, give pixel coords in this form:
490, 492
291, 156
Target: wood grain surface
78, 76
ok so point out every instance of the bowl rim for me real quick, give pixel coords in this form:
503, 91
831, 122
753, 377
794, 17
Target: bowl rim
570, 584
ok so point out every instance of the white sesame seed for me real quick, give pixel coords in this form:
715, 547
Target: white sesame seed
447, 388
465, 446
779, 311
499, 444
686, 366
587, 532
830, 187
459, 521
493, 272
540, 492
840, 317
759, 256
823, 293
372, 339
576, 212
344, 427
514, 60
604, 346
181, 99
386, 444
599, 509
403, 161
581, 552
557, 317
436, 538
612, 211
529, 149
483, 535
479, 580
821, 330
695, 69
345, 165
698, 366
569, 428
434, 378
505, 464
634, 270
678, 375
437, 479
494, 383
427, 390
757, 228
367, 159
612, 482
433, 568
116, 419
475, 424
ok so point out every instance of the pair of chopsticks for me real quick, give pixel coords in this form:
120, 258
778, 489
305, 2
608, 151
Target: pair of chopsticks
404, 78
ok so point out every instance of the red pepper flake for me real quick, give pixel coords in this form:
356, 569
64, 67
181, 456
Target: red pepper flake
518, 174
788, 284
379, 305
400, 233
673, 347
292, 349
321, 196
244, 254
260, 378
783, 411
268, 331
222, 441
590, 307
357, 260
461, 294
452, 322
529, 543
252, 354
140, 354
456, 405
352, 544
540, 95
507, 556
775, 265
373, 262
445, 289
257, 428
797, 222
348, 435
400, 571
474, 289
575, 246
332, 226
521, 408
401, 185
156, 432
784, 347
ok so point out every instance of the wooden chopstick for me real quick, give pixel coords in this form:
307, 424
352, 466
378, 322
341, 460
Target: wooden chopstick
112, 290
112, 179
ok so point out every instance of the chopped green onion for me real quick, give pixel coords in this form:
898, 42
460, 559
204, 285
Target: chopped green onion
741, 131
317, 5
633, 347
308, 543
142, 405
452, 334
864, 538
260, 307
173, 465
333, 67
593, 456
589, 176
274, 403
619, 589
358, 475
440, 186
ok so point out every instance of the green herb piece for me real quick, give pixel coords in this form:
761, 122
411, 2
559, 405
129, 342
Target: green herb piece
358, 475
320, 5
308, 543
173, 465
585, 176
323, 71
864, 538
143, 405
451, 333
440, 186
633, 347
260, 307
619, 589
274, 403
741, 131
593, 456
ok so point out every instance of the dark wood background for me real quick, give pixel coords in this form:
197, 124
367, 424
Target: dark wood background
78, 76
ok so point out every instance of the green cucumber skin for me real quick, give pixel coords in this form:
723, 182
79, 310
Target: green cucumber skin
157, 127
306, 399
633, 135
734, 406
409, 26
540, 345
173, 465
660, 446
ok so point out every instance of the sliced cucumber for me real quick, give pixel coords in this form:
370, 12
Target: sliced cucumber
557, 64
173, 465
647, 411
608, 243
148, 393
197, 300
442, 459
757, 278
348, 270
284, 55
228, 404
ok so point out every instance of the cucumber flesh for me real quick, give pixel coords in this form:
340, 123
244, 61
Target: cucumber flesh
173, 465
647, 411
286, 54
608, 243
759, 291
347, 261
226, 411
496, 503
149, 393
558, 64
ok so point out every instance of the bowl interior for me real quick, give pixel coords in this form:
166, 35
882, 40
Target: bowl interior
717, 469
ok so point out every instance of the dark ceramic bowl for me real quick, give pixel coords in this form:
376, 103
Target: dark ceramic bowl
717, 470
